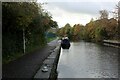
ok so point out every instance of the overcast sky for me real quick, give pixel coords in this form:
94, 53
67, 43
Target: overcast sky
77, 11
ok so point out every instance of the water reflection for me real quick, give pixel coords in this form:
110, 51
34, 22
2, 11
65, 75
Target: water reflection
88, 60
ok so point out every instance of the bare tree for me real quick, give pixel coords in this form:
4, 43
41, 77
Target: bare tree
103, 14
118, 7
118, 18
117, 11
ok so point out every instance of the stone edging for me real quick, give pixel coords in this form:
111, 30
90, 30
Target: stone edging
51, 63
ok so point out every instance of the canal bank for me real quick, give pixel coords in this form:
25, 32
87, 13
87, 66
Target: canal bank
48, 70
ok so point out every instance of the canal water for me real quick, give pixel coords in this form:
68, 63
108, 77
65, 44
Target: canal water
88, 60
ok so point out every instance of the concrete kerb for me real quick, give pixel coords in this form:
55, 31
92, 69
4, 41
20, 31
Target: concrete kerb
49, 62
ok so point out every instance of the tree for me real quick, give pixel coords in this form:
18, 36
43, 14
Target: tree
61, 32
112, 28
103, 14
118, 7
100, 34
91, 29
67, 29
118, 27
24, 20
77, 31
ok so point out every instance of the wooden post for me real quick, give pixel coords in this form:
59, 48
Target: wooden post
23, 40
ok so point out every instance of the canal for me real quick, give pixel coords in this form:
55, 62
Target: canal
88, 60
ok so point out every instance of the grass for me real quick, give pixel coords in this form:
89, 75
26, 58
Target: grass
15, 56
10, 58
51, 39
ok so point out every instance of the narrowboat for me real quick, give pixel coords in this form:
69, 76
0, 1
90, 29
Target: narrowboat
65, 44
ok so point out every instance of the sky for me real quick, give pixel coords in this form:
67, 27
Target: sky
77, 11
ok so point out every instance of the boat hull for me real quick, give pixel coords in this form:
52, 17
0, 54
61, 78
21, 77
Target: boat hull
65, 46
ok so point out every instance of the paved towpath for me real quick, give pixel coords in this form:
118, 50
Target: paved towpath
27, 65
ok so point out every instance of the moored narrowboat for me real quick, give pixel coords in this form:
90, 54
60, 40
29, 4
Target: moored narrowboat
65, 44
